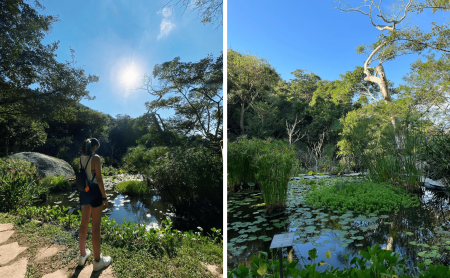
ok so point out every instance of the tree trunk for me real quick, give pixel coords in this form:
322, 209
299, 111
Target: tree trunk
381, 81
241, 121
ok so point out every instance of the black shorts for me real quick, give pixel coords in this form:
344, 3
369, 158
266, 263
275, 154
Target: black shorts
93, 197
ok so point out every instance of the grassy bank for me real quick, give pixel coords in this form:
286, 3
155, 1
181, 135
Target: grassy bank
165, 252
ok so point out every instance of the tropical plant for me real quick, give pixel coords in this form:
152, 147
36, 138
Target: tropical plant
274, 163
398, 162
19, 184
375, 262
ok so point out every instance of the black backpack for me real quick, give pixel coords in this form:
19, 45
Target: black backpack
83, 182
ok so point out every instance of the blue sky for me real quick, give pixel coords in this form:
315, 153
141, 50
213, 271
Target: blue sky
311, 35
113, 39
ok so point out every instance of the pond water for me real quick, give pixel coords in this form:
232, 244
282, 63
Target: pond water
420, 233
151, 208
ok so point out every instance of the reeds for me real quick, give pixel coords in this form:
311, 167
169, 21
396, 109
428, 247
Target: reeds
268, 162
398, 162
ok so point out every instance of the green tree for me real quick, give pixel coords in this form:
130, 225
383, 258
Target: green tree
33, 83
396, 40
428, 88
248, 78
193, 91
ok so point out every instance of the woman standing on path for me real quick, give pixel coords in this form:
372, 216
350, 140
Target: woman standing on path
92, 203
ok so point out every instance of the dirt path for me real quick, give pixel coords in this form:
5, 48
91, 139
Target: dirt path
42, 260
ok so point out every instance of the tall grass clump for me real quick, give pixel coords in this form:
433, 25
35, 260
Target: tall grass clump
19, 184
132, 187
398, 162
55, 184
240, 166
274, 163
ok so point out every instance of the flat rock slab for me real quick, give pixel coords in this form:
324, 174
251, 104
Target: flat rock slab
352, 175
48, 252
433, 183
15, 270
57, 274
321, 176
213, 269
88, 272
4, 236
6, 227
9, 252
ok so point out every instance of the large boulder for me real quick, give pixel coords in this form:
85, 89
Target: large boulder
47, 165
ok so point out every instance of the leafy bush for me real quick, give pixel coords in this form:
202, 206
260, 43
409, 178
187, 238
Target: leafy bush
361, 196
132, 187
19, 184
54, 184
189, 176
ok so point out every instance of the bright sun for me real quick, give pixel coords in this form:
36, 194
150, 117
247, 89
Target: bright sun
130, 76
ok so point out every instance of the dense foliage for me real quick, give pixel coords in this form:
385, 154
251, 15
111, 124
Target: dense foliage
375, 262
192, 179
436, 154
159, 242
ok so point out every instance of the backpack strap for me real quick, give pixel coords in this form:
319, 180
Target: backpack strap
93, 177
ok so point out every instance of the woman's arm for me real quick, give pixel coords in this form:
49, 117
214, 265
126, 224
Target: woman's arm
98, 174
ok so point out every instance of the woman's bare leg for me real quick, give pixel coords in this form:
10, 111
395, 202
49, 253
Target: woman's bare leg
96, 239
82, 233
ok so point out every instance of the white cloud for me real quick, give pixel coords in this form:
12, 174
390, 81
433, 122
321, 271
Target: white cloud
166, 24
166, 12
165, 28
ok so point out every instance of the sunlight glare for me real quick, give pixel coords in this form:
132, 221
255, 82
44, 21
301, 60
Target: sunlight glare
130, 76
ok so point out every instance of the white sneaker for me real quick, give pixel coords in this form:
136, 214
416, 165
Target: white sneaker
104, 262
82, 260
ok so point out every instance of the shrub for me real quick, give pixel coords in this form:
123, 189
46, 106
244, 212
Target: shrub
54, 184
189, 176
19, 184
132, 187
